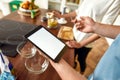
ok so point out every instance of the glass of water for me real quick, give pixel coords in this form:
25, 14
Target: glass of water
26, 49
35, 62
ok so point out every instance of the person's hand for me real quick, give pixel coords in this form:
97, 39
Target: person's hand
73, 44
73, 20
86, 24
64, 69
57, 14
56, 64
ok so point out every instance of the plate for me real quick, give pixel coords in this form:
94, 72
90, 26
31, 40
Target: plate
62, 21
27, 13
27, 10
66, 33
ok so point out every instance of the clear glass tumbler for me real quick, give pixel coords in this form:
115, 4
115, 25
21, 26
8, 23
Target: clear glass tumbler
26, 49
35, 62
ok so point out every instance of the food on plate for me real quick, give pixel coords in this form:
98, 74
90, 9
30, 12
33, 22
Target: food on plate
67, 29
29, 5
66, 33
28, 8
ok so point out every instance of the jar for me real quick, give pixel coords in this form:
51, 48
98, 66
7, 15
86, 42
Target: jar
52, 22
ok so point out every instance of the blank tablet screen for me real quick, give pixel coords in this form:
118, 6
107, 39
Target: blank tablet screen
47, 42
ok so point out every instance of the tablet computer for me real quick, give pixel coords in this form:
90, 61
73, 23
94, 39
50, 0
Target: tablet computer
48, 43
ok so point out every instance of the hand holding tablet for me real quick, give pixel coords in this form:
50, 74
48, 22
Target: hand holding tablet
47, 43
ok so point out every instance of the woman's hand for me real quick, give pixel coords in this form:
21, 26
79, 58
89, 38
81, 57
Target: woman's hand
57, 14
73, 44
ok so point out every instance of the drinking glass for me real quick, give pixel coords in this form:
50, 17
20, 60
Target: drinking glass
26, 49
52, 22
35, 62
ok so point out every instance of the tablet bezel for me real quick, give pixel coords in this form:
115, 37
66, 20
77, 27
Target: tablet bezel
58, 57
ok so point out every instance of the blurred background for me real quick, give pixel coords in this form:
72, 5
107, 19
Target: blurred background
8, 6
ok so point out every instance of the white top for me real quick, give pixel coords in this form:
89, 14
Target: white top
104, 11
116, 22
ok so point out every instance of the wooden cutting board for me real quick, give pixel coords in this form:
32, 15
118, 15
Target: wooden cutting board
66, 33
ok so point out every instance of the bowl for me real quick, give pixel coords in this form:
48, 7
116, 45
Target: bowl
26, 49
36, 64
27, 10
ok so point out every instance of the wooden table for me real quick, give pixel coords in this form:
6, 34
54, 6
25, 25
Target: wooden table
18, 62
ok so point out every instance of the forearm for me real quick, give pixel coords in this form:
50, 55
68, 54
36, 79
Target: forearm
66, 72
71, 14
107, 30
89, 40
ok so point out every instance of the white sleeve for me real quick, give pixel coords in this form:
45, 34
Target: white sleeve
112, 13
79, 8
